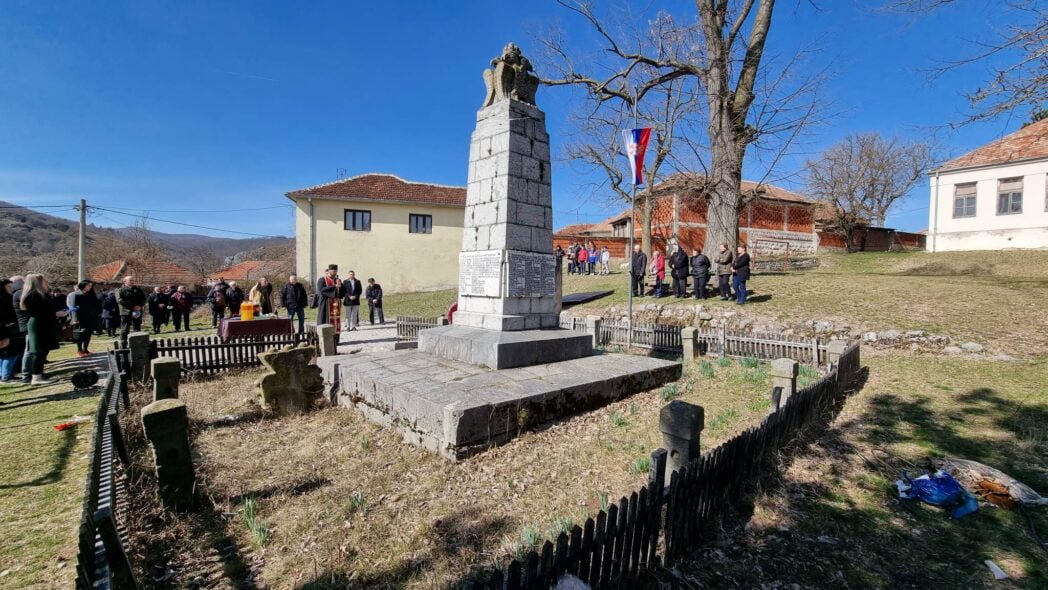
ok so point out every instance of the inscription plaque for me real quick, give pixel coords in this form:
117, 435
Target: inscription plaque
530, 274
480, 273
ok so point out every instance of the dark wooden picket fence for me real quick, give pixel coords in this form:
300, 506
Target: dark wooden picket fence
210, 354
667, 338
102, 561
659, 524
409, 326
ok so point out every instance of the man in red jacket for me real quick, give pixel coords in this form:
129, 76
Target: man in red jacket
181, 306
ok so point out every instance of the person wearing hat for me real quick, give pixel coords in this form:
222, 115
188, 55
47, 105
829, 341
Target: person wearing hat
329, 292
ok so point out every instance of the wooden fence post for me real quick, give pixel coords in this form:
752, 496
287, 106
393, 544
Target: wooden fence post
681, 425
723, 340
442, 320
815, 351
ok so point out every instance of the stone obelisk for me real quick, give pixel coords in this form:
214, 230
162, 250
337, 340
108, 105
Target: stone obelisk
507, 271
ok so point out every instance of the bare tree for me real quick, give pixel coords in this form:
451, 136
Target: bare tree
726, 62
630, 102
202, 260
1022, 81
861, 177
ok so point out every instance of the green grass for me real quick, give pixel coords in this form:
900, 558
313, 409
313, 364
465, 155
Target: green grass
42, 474
912, 407
249, 516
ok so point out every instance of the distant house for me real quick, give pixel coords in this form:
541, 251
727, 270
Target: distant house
146, 273
250, 271
865, 238
610, 233
993, 197
407, 235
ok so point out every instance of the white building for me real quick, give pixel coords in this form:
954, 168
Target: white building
993, 197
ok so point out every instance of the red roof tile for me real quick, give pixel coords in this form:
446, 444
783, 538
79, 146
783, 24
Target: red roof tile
1025, 144
575, 229
251, 270
385, 187
151, 273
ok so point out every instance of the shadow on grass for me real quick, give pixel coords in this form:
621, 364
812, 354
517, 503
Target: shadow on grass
61, 460
835, 521
43, 399
448, 539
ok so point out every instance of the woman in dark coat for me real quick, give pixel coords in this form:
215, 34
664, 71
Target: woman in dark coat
42, 324
11, 355
110, 313
85, 316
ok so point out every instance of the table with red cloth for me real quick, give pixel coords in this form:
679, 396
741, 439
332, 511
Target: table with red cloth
235, 328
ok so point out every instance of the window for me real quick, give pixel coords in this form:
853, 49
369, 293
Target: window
357, 220
420, 224
1009, 196
964, 200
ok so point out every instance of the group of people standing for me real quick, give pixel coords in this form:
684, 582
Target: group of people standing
335, 294
30, 324
732, 271
585, 259
223, 296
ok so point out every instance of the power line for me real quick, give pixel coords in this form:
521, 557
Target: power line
202, 210
231, 231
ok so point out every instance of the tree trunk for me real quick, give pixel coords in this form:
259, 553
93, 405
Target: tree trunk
723, 200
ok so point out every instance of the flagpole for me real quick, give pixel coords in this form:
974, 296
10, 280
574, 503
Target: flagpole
629, 254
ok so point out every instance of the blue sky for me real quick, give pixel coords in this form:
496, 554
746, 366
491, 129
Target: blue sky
202, 106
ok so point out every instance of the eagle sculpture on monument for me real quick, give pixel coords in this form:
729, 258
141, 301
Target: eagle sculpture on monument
510, 77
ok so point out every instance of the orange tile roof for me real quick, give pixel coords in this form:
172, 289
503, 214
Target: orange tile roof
575, 229
151, 273
252, 270
384, 187
762, 190
1027, 143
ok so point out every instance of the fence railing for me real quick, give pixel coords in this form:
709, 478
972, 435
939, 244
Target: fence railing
409, 326
102, 561
659, 524
210, 354
719, 341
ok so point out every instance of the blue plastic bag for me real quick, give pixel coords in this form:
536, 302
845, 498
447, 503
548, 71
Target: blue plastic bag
938, 489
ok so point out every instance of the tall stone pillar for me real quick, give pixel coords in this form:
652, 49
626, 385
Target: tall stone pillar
508, 309
507, 271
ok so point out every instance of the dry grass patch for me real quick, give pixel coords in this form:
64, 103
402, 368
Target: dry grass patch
328, 498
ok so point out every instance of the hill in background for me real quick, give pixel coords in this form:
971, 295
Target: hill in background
35, 241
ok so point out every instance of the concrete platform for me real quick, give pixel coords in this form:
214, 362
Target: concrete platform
504, 350
458, 409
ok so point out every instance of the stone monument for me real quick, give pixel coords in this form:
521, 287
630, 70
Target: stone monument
291, 385
508, 312
505, 365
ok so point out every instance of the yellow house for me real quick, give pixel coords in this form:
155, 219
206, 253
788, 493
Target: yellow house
407, 235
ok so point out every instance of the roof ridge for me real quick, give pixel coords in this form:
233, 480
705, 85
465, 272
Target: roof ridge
366, 174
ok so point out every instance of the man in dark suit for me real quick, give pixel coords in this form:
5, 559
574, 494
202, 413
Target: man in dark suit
352, 289
293, 297
700, 273
638, 266
741, 267
679, 272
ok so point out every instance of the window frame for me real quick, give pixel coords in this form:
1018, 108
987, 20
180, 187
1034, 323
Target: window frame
426, 227
965, 197
1010, 195
366, 226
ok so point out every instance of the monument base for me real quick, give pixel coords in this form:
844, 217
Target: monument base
495, 349
458, 409
507, 322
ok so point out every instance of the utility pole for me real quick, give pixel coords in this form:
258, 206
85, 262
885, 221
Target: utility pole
81, 266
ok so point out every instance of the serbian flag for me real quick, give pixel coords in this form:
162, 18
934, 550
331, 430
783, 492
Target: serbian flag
636, 141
